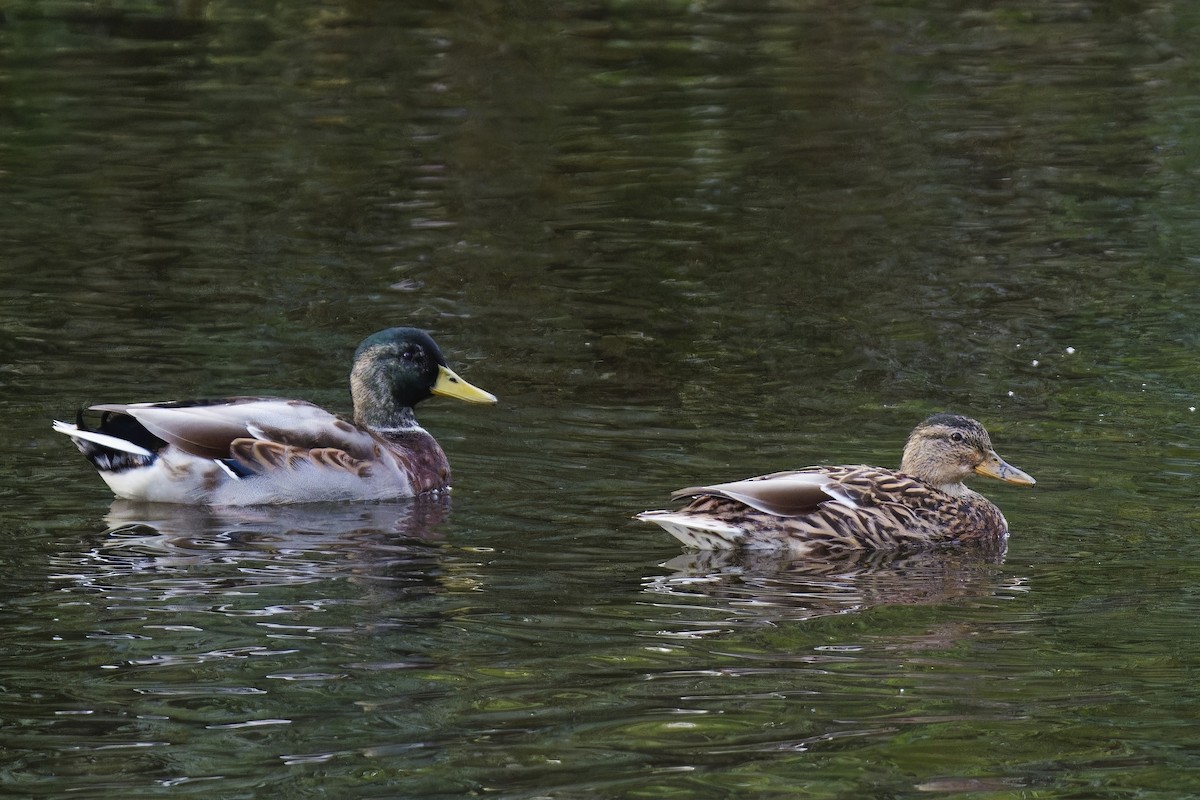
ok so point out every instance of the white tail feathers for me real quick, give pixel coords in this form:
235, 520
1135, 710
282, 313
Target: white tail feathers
102, 439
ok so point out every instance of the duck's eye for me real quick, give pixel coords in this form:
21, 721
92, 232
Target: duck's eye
409, 355
956, 437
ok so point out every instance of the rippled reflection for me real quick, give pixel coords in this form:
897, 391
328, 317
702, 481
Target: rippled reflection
180, 550
767, 587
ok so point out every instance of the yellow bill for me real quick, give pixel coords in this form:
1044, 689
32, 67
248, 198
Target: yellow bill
450, 385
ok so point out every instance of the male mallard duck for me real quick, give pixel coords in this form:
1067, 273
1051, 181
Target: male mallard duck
829, 509
253, 450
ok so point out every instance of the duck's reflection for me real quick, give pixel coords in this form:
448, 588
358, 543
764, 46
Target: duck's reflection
188, 549
415, 518
771, 587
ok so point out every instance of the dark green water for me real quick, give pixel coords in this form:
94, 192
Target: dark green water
683, 242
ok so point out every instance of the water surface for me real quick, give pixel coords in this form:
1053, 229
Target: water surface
683, 243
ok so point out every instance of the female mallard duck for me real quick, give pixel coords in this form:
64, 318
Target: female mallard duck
829, 509
255, 450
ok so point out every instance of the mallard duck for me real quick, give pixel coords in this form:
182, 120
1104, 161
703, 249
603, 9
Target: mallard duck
257, 450
828, 509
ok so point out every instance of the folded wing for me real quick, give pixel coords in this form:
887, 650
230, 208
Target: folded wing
211, 429
784, 494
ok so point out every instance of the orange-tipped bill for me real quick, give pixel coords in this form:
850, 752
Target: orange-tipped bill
996, 467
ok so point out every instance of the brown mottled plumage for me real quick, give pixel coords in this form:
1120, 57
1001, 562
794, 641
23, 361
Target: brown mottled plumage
837, 508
